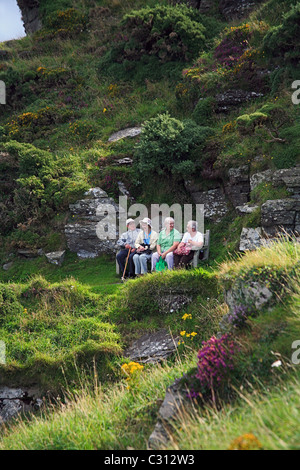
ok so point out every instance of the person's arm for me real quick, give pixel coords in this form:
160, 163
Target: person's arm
183, 241
121, 243
138, 241
153, 242
172, 248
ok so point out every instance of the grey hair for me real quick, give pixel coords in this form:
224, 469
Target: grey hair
168, 220
193, 224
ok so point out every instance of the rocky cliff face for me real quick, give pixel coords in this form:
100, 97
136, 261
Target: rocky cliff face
228, 8
30, 15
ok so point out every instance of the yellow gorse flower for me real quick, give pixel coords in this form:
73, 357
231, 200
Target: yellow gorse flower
246, 442
130, 368
187, 316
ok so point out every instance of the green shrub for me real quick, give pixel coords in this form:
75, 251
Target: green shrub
165, 144
46, 182
203, 111
154, 43
282, 41
171, 33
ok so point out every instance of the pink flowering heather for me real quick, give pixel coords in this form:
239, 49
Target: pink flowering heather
215, 360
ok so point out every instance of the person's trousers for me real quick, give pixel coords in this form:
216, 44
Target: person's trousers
140, 263
121, 258
183, 260
168, 259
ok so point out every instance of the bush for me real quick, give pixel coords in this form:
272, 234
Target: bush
46, 183
154, 43
165, 144
203, 111
170, 33
282, 41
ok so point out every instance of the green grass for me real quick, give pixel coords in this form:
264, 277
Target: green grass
98, 274
271, 416
110, 419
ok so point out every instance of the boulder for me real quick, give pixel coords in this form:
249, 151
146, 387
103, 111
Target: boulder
214, 201
30, 254
280, 215
56, 257
169, 411
152, 347
246, 209
232, 98
251, 239
254, 294
13, 401
8, 266
85, 234
129, 132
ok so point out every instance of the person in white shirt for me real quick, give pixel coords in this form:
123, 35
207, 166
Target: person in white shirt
192, 240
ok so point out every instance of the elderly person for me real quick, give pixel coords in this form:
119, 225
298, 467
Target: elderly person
126, 243
144, 244
167, 242
192, 240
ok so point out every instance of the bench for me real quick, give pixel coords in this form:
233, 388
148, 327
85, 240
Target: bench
195, 261
205, 249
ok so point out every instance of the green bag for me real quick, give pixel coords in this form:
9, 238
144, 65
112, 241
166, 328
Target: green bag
161, 265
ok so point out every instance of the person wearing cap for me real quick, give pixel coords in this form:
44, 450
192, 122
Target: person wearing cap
126, 242
144, 244
167, 242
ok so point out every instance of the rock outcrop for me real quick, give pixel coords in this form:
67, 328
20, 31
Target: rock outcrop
280, 215
152, 347
237, 189
129, 132
30, 15
13, 401
289, 177
94, 223
232, 98
170, 409
228, 8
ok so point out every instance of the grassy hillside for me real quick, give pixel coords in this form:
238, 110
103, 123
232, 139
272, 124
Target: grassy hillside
254, 398
93, 70
96, 68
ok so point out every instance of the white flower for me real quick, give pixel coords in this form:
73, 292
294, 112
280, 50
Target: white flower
276, 364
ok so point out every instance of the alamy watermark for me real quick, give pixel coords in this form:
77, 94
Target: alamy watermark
296, 354
296, 94
2, 92
2, 353
113, 217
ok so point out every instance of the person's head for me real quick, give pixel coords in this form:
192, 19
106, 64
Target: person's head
169, 223
192, 227
130, 224
146, 224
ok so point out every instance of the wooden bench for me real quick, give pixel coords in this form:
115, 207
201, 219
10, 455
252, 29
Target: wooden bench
195, 261
205, 249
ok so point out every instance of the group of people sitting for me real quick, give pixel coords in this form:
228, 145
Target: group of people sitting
137, 246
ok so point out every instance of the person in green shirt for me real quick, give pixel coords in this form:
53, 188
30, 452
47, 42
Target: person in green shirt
168, 240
